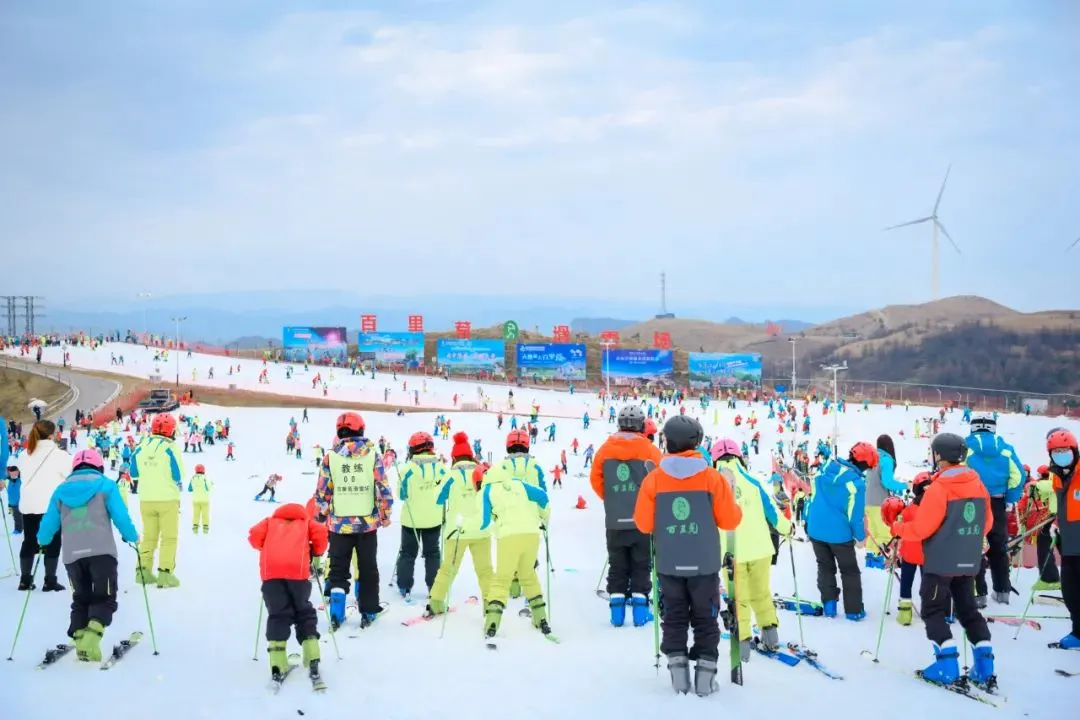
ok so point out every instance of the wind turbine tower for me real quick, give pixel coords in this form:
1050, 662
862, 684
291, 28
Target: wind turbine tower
935, 222
664, 314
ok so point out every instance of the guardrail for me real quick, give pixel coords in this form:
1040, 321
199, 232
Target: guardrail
57, 406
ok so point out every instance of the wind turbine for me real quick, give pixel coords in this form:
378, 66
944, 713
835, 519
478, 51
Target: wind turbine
1075, 243
937, 225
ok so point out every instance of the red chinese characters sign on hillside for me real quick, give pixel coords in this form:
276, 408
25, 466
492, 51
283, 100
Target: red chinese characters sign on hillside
464, 329
609, 336
367, 323
561, 334
661, 340
773, 329
416, 323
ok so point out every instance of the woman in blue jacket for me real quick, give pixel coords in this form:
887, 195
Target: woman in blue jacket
881, 482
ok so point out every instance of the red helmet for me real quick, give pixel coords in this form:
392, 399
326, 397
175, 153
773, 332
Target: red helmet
163, 424
921, 478
864, 453
891, 509
517, 437
352, 422
421, 440
478, 474
200, 469
1061, 439
1044, 471
650, 427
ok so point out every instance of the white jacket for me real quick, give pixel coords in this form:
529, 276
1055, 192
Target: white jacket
41, 474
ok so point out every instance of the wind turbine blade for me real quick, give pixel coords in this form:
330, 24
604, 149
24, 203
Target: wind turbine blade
942, 190
947, 236
913, 222
1075, 243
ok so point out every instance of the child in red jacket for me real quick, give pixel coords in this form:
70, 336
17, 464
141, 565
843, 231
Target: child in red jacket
287, 542
911, 552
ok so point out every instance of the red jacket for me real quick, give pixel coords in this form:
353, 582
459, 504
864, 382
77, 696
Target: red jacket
286, 541
911, 550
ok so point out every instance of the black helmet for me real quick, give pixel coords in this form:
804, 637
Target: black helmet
949, 448
632, 418
683, 433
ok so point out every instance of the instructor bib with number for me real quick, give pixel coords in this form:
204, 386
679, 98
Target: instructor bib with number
354, 485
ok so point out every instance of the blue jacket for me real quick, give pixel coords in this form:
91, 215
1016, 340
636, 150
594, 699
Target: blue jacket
835, 514
888, 473
77, 491
998, 467
5, 451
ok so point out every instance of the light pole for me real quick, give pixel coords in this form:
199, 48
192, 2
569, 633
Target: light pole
607, 366
793, 342
835, 369
146, 332
176, 349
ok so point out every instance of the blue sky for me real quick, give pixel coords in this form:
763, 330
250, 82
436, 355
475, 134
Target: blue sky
559, 148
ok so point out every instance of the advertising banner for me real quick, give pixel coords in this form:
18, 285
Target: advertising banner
400, 349
472, 357
551, 361
625, 366
724, 370
313, 344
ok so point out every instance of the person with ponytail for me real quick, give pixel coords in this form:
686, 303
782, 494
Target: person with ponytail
43, 467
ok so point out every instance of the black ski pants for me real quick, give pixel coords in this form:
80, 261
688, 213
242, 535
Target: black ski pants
366, 547
997, 556
1044, 545
691, 602
839, 556
629, 568
1070, 589
93, 588
941, 595
288, 606
411, 540
29, 549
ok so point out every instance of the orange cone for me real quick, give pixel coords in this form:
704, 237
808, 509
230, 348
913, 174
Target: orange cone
581, 505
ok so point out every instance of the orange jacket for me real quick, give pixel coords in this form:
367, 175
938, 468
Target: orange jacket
622, 445
286, 541
911, 550
944, 487
726, 512
1070, 509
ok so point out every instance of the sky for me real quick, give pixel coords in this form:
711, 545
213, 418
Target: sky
753, 151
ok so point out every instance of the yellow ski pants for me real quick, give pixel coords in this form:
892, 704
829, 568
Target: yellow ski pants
876, 529
452, 555
161, 527
754, 593
515, 555
200, 513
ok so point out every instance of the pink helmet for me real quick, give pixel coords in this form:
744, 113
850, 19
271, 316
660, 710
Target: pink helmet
725, 446
88, 457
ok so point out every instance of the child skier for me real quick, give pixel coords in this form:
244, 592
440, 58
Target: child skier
82, 509
685, 499
14, 485
1064, 455
199, 487
158, 470
269, 486
421, 479
520, 465
288, 542
911, 554
953, 519
753, 547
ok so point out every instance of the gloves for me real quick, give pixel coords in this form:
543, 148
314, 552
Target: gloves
895, 527
321, 519
316, 566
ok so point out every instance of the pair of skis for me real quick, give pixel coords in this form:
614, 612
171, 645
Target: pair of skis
317, 683
119, 650
420, 619
964, 686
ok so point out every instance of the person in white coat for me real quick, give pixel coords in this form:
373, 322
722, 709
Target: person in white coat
43, 467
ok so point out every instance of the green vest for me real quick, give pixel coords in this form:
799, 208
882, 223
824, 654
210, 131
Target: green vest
421, 508
354, 485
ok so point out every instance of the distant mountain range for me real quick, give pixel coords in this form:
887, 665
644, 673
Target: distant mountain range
221, 318
594, 326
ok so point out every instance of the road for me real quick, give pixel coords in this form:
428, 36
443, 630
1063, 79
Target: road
90, 392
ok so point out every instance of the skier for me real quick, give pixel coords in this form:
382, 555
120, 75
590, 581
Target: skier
421, 479
619, 467
953, 518
754, 547
157, 467
270, 486
685, 499
516, 511
352, 493
522, 466
14, 482
199, 487
835, 522
1003, 475
1064, 455
910, 551
83, 510
881, 482
289, 542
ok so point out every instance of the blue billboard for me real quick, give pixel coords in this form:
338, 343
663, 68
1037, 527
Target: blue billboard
313, 344
551, 361
724, 370
472, 357
626, 366
400, 349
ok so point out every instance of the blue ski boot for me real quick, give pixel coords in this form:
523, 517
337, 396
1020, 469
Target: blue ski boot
1070, 642
617, 605
873, 560
982, 669
337, 608
945, 670
640, 606
356, 591
829, 607
856, 616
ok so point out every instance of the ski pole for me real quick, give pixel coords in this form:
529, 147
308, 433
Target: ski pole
1031, 596
547, 561
258, 628
600, 580
146, 597
655, 603
26, 602
885, 608
795, 585
450, 582
7, 534
329, 624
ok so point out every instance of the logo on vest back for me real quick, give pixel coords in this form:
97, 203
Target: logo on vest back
680, 508
622, 472
969, 512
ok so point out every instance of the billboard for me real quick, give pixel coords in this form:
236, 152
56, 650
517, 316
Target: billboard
303, 344
472, 356
625, 366
551, 361
724, 370
404, 349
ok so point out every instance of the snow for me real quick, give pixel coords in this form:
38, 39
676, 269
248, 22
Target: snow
206, 629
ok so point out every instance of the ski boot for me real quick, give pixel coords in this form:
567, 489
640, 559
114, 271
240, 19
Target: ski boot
617, 604
515, 588
770, 638
904, 613
51, 584
945, 670
1001, 598
829, 608
144, 576
1044, 585
641, 612
1070, 642
88, 646
745, 648
310, 648
406, 595
493, 617
367, 619
982, 669
538, 611
980, 602
679, 667
205, 529
195, 529
166, 579
356, 590
279, 659
26, 583
705, 677
874, 560
337, 608
856, 616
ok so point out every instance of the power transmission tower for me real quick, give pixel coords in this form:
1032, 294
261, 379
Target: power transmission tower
11, 305
663, 314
